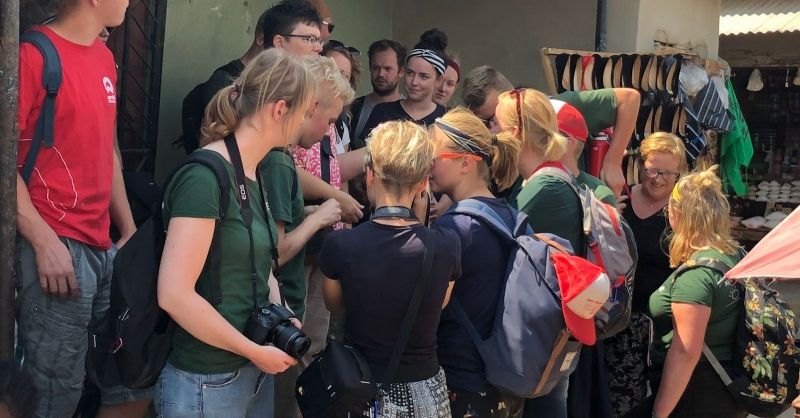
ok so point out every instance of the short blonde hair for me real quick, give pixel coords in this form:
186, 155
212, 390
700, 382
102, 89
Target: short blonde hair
400, 153
702, 217
331, 83
504, 151
538, 128
664, 143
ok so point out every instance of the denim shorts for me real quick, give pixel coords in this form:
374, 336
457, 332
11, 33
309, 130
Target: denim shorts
53, 332
242, 393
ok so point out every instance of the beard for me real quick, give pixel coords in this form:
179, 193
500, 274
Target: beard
391, 88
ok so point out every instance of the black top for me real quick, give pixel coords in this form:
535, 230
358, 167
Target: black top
651, 245
385, 112
484, 258
378, 267
221, 77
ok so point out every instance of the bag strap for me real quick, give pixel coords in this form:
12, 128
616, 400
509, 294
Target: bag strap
51, 80
245, 209
726, 378
413, 308
214, 260
483, 212
325, 153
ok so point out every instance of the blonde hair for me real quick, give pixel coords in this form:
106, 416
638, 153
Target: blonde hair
271, 76
400, 153
330, 82
538, 129
504, 151
702, 212
664, 143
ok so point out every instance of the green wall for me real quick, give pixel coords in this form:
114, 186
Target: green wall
201, 35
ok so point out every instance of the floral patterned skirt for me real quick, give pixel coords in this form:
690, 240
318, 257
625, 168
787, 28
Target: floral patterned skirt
626, 362
424, 399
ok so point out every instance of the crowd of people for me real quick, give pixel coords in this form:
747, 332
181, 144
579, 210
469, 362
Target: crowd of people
284, 113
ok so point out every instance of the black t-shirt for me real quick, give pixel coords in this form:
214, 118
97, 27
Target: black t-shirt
484, 257
221, 77
385, 112
378, 267
651, 245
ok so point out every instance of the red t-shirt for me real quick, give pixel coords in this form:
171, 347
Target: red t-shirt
71, 183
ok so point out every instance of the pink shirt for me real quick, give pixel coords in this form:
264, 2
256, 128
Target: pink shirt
309, 160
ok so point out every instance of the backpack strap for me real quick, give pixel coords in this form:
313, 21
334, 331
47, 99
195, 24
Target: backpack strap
560, 172
484, 213
51, 80
214, 260
709, 262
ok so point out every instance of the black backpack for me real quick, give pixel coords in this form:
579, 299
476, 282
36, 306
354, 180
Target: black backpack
131, 343
194, 107
51, 80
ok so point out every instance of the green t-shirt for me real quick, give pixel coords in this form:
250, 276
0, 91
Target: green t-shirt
193, 193
598, 188
280, 181
510, 194
553, 207
699, 286
598, 107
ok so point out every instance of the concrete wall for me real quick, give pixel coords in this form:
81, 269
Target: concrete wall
201, 35
504, 34
763, 49
632, 24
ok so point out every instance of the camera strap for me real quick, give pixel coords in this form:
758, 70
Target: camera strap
401, 212
246, 211
429, 244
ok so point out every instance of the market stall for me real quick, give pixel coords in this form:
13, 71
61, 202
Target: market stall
699, 101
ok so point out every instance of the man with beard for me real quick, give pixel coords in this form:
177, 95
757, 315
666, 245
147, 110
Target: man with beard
386, 58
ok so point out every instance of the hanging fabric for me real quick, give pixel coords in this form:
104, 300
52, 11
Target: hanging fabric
736, 146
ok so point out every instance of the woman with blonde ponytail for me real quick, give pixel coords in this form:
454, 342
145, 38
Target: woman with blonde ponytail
468, 160
696, 306
526, 116
213, 369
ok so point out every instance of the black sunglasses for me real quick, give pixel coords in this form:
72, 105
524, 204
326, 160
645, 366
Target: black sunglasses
338, 46
329, 25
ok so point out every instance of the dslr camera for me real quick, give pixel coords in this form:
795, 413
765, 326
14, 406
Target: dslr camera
272, 324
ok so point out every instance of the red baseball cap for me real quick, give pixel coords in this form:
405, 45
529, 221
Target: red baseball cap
570, 120
584, 289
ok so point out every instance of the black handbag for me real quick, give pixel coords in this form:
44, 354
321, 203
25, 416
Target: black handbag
339, 381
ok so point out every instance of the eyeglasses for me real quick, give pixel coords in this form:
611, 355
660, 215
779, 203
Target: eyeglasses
330, 26
653, 173
457, 155
310, 39
519, 94
488, 122
339, 46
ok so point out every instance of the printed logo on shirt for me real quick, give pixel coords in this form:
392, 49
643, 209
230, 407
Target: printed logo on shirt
110, 93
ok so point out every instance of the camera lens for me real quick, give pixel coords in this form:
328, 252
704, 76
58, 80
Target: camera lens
291, 340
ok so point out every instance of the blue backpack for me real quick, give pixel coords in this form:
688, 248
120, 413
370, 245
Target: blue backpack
529, 349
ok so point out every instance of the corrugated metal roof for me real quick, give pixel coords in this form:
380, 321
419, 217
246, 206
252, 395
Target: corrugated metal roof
751, 16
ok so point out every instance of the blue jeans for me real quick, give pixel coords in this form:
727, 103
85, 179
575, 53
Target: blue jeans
242, 393
552, 405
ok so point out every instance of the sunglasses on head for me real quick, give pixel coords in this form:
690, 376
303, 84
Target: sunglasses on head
329, 25
519, 95
341, 47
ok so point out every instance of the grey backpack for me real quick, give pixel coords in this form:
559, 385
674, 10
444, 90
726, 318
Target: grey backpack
611, 246
529, 349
